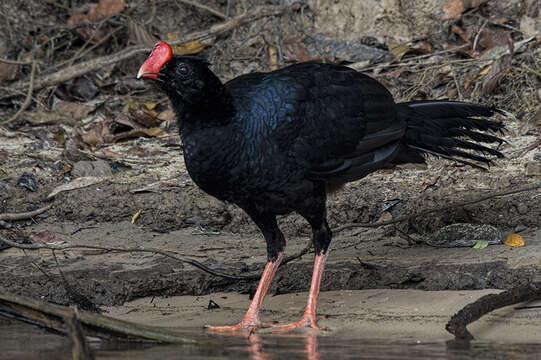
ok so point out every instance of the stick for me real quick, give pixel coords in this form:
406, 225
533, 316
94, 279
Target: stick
443, 208
82, 68
484, 305
28, 98
24, 215
50, 316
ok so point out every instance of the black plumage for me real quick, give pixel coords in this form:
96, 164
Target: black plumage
273, 142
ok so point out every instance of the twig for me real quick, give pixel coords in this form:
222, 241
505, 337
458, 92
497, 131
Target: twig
484, 305
83, 68
80, 350
204, 7
15, 62
24, 215
440, 209
28, 96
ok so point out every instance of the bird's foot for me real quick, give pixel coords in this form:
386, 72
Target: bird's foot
242, 327
307, 321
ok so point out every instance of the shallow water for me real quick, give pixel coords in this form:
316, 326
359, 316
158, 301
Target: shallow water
22, 341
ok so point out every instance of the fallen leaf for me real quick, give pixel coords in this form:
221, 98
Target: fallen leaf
97, 134
139, 35
103, 9
8, 71
530, 26
72, 109
144, 116
111, 154
190, 47
136, 215
514, 240
46, 236
398, 50
100, 11
273, 57
454, 8
167, 115
496, 73
152, 132
481, 244
78, 183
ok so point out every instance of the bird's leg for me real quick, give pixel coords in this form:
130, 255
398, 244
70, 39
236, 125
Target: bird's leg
275, 247
315, 213
251, 320
309, 317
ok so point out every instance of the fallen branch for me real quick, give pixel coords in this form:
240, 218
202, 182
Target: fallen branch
440, 209
51, 316
24, 215
484, 305
83, 68
80, 349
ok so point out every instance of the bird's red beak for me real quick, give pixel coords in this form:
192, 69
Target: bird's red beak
161, 54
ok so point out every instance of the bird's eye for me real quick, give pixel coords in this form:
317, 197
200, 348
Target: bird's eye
183, 70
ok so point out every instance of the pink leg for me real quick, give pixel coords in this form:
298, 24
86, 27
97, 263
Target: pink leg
251, 320
309, 317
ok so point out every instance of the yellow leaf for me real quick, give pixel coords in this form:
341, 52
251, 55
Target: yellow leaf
514, 240
398, 50
187, 48
134, 104
167, 115
136, 216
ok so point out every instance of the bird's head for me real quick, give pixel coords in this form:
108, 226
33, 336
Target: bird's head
184, 78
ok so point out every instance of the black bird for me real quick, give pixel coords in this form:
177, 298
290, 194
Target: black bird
273, 143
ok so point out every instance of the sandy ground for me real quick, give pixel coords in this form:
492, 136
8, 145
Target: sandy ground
349, 314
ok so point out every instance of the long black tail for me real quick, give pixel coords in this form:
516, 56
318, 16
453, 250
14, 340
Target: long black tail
449, 129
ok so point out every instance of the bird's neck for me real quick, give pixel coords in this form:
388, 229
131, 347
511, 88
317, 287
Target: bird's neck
215, 111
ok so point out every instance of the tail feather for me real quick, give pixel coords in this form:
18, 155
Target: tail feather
451, 130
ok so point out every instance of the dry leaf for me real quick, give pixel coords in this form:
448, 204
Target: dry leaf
398, 50
46, 236
97, 12
167, 115
74, 110
152, 132
139, 35
96, 135
144, 116
273, 57
76, 184
8, 71
190, 47
514, 240
454, 8
111, 154
136, 215
496, 73
530, 26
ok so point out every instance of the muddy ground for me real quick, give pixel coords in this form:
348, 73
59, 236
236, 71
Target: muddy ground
148, 174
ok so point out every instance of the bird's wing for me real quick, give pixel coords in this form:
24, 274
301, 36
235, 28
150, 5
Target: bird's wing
336, 122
